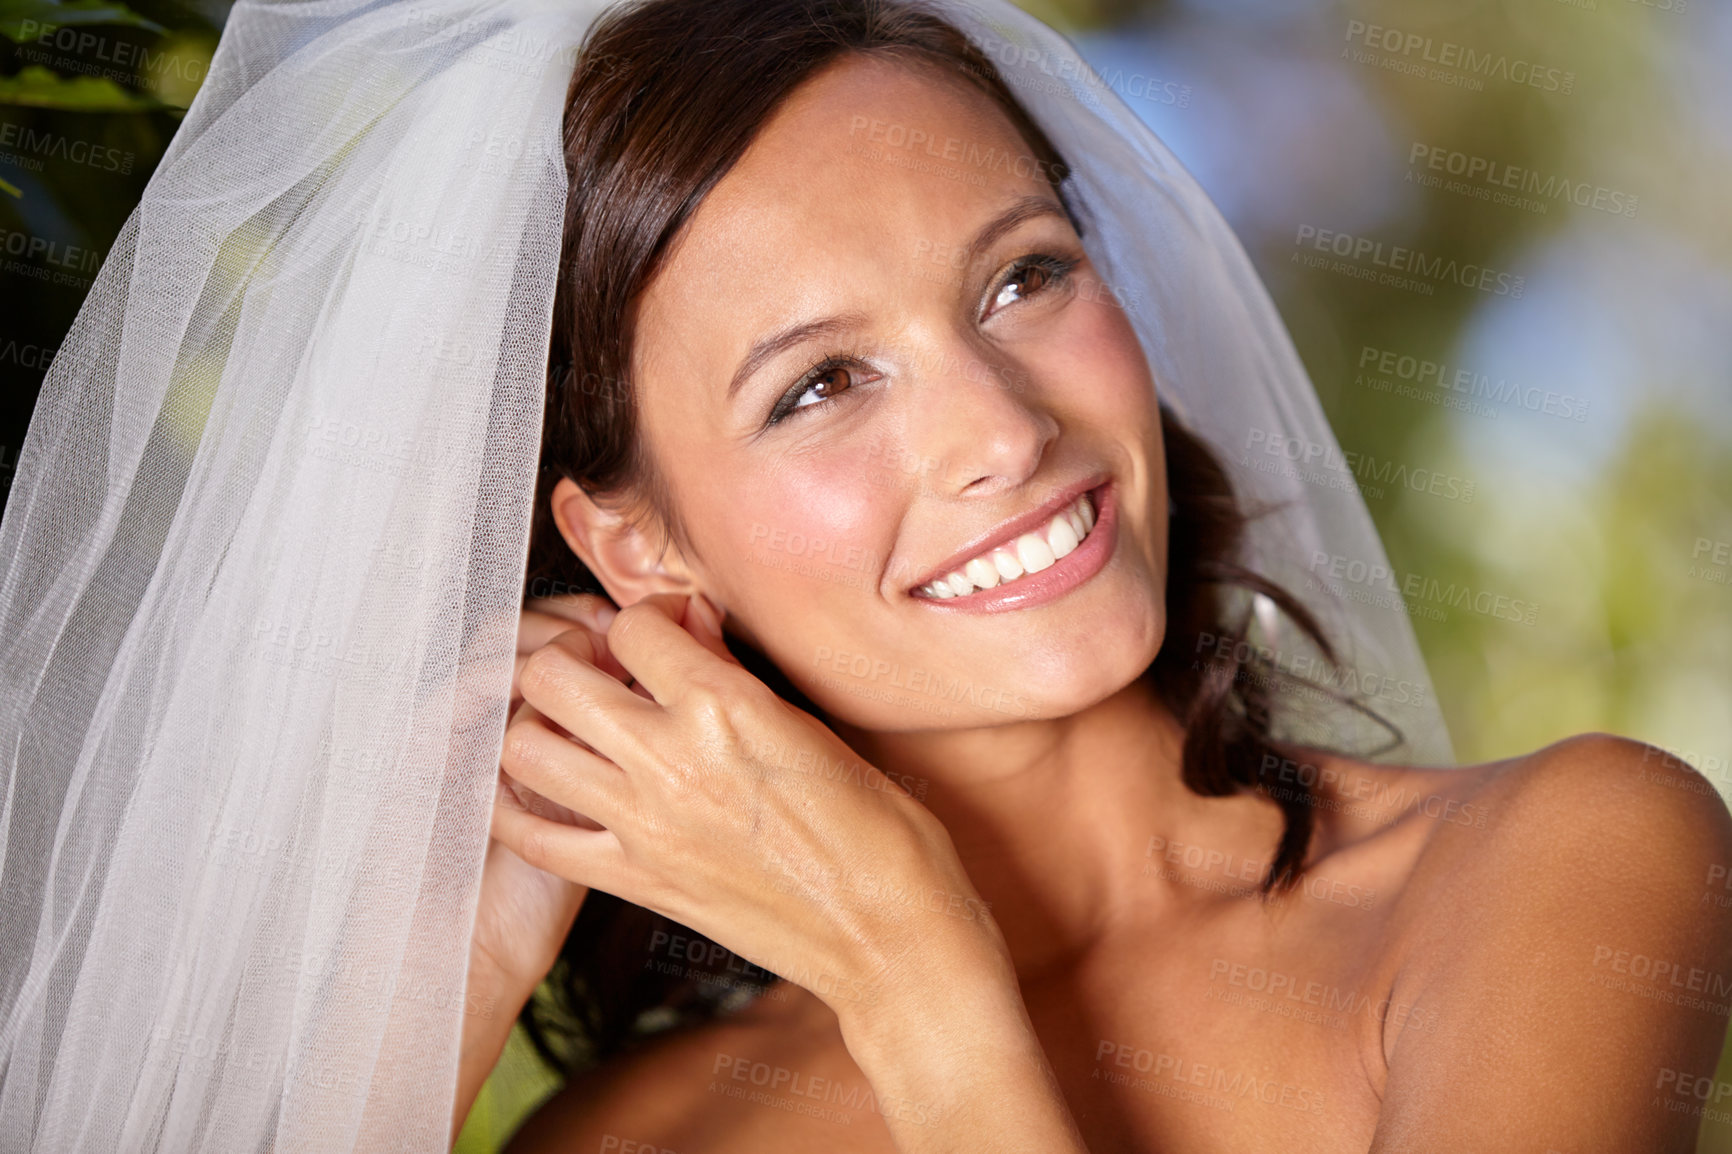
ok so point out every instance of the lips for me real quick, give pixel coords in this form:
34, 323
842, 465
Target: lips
1031, 552
1018, 548
1074, 569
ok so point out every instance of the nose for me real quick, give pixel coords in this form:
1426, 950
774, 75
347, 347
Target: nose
978, 423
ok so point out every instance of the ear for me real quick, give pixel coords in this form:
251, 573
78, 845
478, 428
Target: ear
631, 557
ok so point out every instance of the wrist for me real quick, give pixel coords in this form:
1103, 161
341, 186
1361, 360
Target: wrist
914, 917
954, 1056
942, 990
491, 1003
490, 981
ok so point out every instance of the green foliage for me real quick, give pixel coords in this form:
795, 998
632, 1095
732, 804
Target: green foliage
25, 19
37, 87
518, 1085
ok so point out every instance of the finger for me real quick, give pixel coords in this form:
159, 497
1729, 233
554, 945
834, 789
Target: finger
650, 642
589, 645
587, 609
562, 771
544, 618
535, 629
704, 622
562, 686
591, 858
604, 661
512, 793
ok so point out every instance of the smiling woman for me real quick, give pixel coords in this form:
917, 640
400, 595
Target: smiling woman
876, 380
929, 729
787, 314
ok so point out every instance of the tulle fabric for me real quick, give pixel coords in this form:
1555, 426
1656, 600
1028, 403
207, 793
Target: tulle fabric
261, 569
1223, 360
261, 563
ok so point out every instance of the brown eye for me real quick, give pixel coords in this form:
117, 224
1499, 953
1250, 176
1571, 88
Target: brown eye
1031, 279
822, 386
828, 379
830, 383
1028, 279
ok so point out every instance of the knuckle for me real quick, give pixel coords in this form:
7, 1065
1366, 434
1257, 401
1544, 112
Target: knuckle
628, 621
541, 671
520, 745
706, 699
728, 684
536, 850
591, 602
750, 697
575, 642
722, 705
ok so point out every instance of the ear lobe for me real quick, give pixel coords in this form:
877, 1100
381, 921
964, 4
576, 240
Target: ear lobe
631, 558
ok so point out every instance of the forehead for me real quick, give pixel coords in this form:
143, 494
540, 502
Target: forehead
861, 168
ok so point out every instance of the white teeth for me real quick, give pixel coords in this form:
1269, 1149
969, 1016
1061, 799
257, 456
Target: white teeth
1034, 553
981, 572
1029, 553
1060, 537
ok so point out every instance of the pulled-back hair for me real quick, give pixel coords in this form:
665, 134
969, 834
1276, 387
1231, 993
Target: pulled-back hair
666, 96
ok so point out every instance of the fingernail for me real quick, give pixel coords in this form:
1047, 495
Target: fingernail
713, 614
515, 791
604, 615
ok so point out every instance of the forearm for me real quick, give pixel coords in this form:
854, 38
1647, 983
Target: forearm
491, 1009
954, 1061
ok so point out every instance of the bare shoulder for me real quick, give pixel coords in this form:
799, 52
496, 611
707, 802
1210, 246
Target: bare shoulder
767, 1077
1587, 820
1601, 826
1570, 935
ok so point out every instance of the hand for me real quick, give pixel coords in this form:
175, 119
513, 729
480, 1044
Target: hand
723, 807
727, 809
524, 914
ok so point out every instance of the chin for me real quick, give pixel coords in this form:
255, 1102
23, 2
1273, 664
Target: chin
929, 687
1099, 662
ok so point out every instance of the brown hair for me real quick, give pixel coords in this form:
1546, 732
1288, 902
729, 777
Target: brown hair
666, 96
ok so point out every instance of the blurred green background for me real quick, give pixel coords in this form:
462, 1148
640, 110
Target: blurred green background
1593, 412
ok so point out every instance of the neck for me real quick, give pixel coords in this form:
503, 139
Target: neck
1052, 818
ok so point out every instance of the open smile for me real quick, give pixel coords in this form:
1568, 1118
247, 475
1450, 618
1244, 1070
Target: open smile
1030, 564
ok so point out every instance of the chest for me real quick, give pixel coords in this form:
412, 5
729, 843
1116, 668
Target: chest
1225, 1034
1235, 1029
1226, 1038
1227, 1045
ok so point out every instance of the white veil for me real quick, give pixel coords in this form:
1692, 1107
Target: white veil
261, 565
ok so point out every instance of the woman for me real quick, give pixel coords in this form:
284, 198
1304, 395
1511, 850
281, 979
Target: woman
1072, 871
1109, 950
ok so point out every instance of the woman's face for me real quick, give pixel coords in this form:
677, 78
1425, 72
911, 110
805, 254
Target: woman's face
879, 351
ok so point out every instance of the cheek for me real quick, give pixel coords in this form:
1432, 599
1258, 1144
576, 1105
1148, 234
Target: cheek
1100, 347
1120, 408
804, 534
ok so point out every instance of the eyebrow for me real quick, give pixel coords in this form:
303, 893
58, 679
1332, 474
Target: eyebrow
1023, 209
779, 342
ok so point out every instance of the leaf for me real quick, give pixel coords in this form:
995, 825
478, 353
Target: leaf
27, 19
38, 87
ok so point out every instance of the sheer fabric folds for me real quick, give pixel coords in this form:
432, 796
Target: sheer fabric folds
261, 570
261, 565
